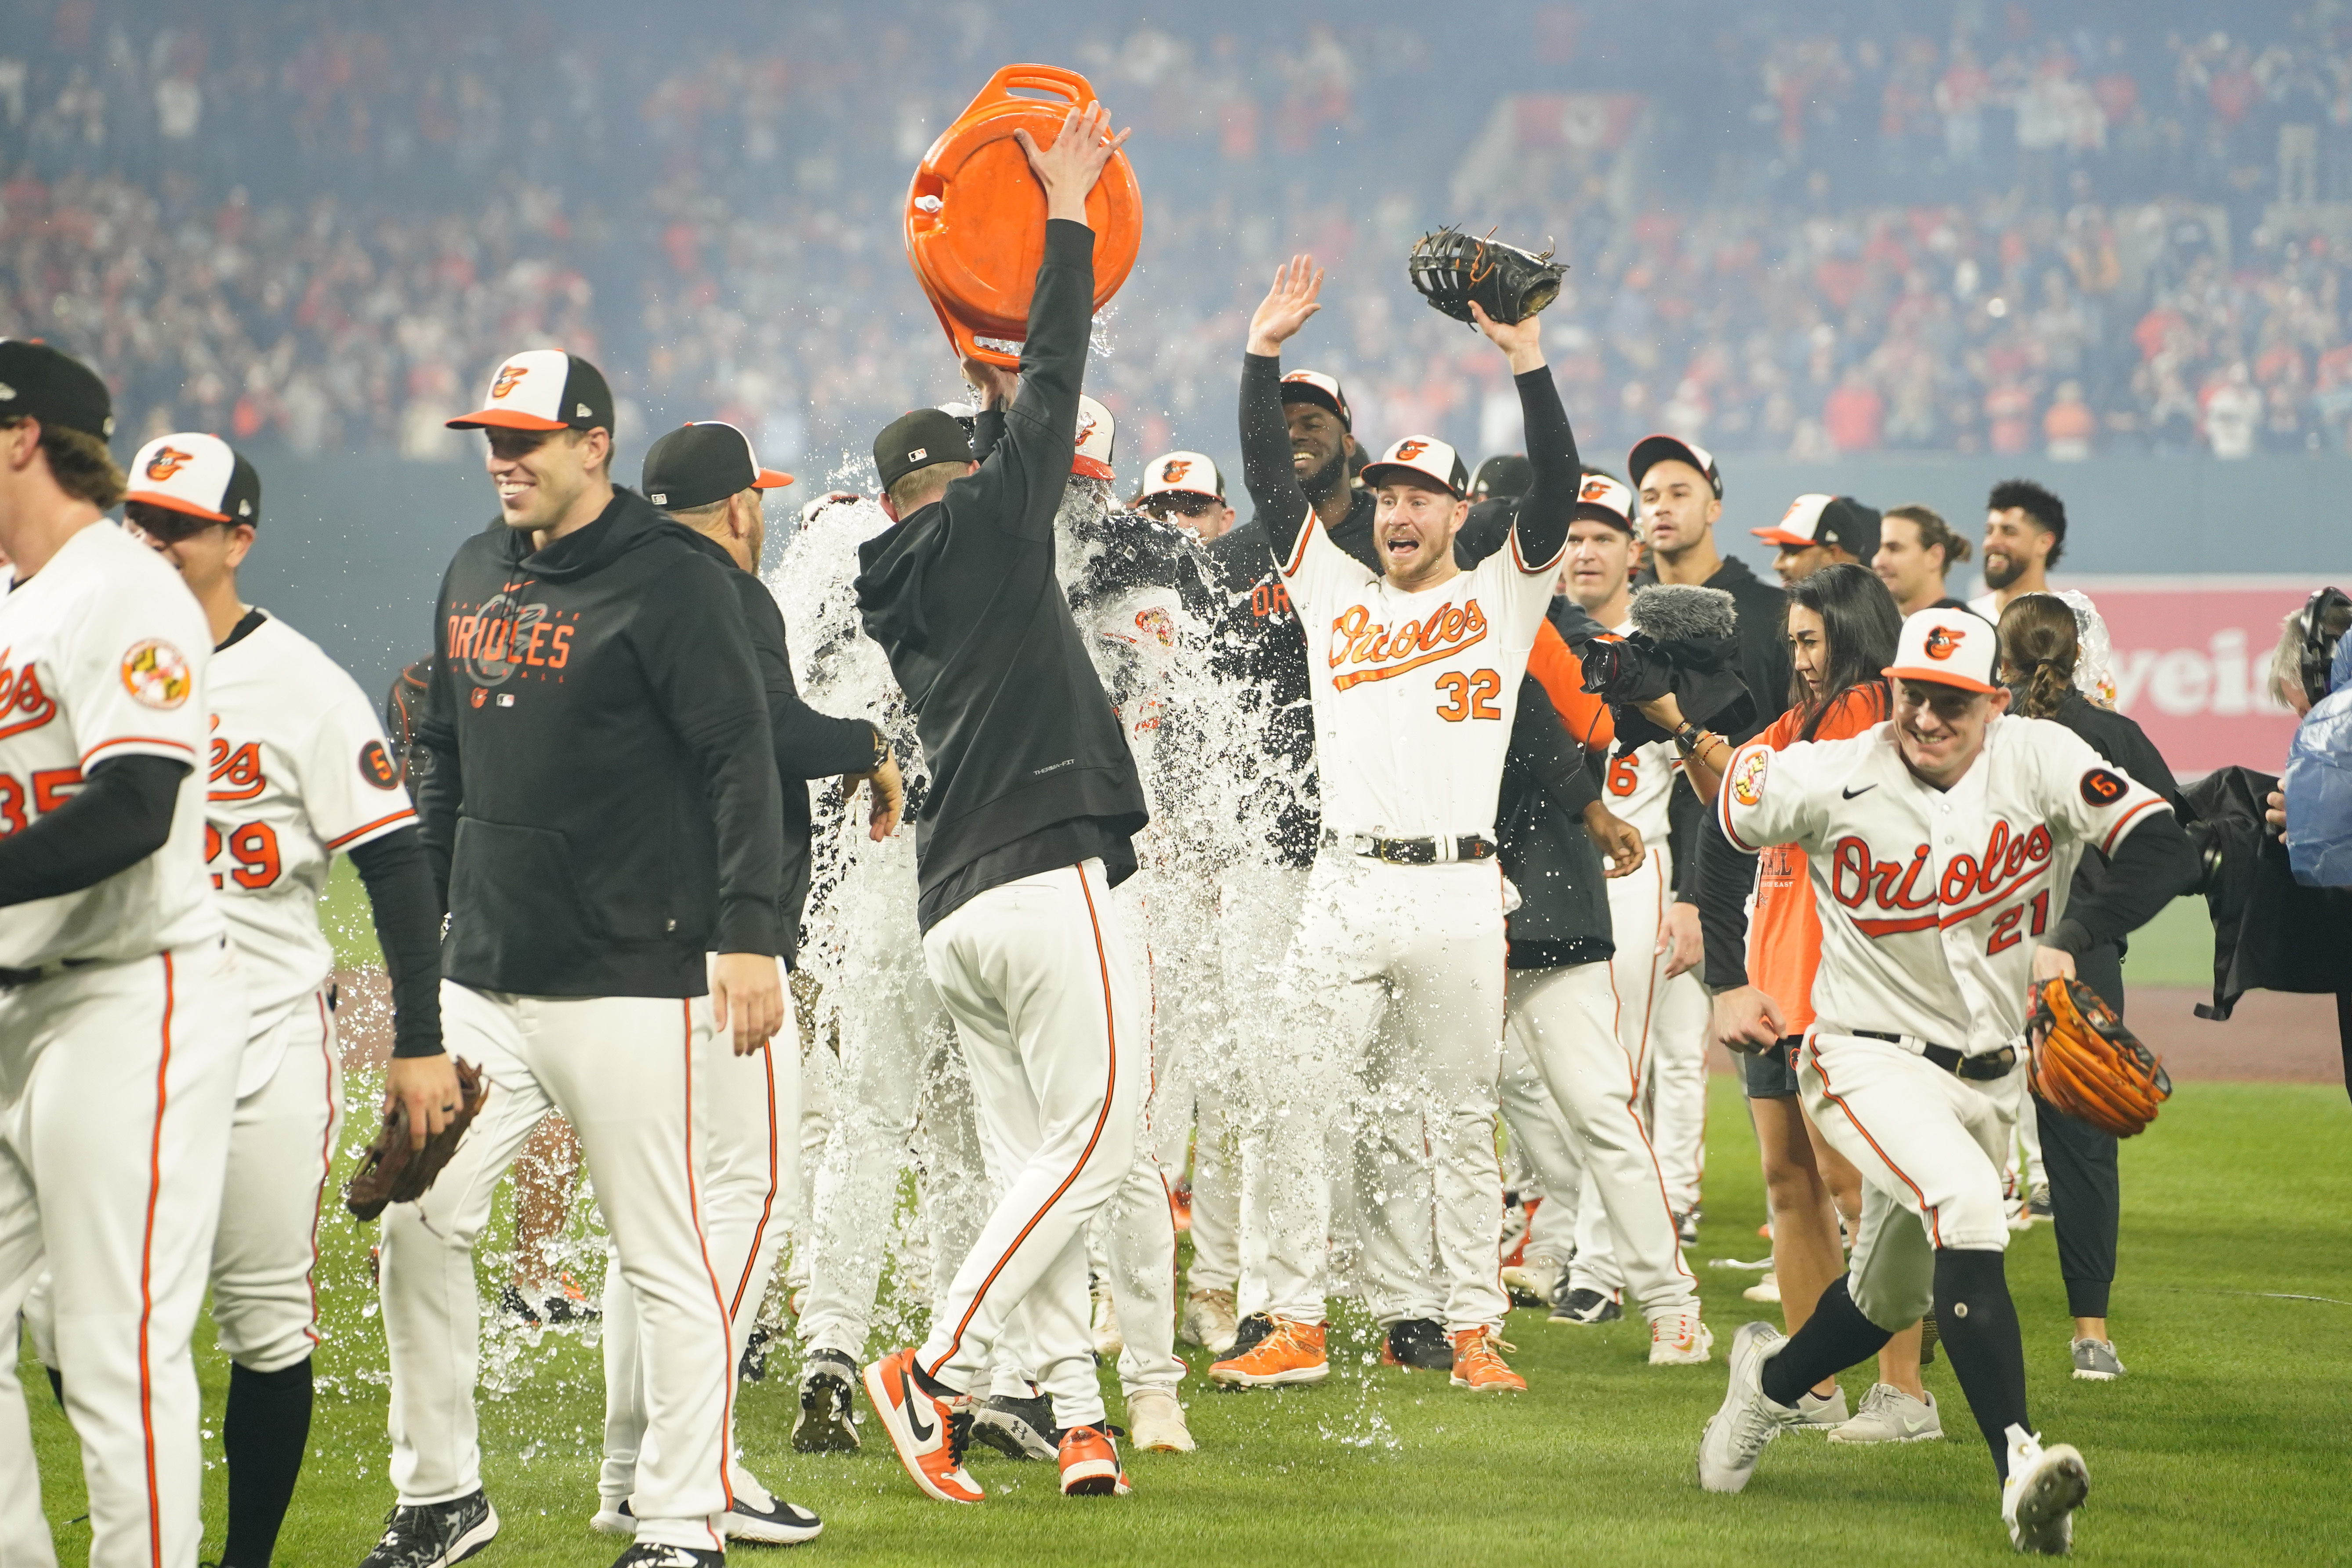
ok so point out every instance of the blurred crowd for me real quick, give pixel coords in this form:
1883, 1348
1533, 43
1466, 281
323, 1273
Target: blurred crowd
1997, 231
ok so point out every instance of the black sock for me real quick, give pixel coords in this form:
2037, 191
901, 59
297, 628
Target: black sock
56, 1384
932, 1385
265, 1429
1979, 1322
1834, 1338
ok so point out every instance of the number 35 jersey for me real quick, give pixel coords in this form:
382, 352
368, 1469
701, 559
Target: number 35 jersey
297, 770
1931, 901
103, 655
1413, 693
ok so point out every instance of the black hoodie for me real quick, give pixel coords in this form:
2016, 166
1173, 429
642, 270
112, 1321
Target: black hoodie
1030, 766
602, 808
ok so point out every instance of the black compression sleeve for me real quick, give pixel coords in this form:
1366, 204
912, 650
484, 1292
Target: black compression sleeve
2154, 865
1725, 876
399, 884
122, 814
1685, 812
1549, 505
1281, 505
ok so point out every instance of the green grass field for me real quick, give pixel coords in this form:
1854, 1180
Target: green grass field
2228, 1443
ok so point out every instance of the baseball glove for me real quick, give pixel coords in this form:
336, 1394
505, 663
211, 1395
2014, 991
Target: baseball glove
2086, 1064
1450, 269
392, 1172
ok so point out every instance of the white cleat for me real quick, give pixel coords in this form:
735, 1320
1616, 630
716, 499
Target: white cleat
1766, 1289
1109, 1340
1736, 1436
1679, 1339
1155, 1421
2045, 1486
1890, 1416
1209, 1320
1819, 1412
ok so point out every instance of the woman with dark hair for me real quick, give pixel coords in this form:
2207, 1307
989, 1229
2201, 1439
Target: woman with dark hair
2039, 646
1843, 626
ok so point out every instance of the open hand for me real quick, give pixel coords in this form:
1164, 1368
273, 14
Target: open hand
1521, 342
1287, 305
1069, 168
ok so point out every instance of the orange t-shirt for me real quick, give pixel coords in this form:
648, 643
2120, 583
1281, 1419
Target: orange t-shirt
1784, 938
1561, 674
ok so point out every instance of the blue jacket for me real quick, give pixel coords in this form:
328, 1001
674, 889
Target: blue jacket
2318, 784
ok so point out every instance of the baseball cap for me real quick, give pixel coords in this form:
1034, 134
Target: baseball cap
1953, 647
199, 475
1183, 473
542, 389
1603, 500
916, 440
1504, 474
1425, 458
704, 461
36, 382
1651, 450
1841, 520
1313, 387
1096, 432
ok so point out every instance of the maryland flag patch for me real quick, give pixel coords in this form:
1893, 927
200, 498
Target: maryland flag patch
1747, 778
156, 675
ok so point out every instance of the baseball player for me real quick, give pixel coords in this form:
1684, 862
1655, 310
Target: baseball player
1916, 549
1034, 801
1940, 846
1413, 671
603, 812
298, 772
1184, 489
708, 478
2025, 533
121, 1014
1820, 531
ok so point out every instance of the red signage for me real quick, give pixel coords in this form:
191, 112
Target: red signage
2191, 663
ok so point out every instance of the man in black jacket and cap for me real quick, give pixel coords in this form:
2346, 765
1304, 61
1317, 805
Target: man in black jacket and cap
1026, 829
602, 815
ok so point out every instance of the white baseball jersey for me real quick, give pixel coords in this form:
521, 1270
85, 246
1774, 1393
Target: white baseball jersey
298, 771
103, 654
1414, 693
1639, 783
1931, 901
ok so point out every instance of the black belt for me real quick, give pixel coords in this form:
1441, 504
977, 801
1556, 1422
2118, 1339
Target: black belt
1976, 1069
1410, 851
12, 978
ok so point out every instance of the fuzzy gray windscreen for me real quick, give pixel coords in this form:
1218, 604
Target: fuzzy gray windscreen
1672, 612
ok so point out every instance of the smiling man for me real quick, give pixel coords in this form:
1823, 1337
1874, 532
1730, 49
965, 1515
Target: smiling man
2025, 533
1941, 846
1414, 669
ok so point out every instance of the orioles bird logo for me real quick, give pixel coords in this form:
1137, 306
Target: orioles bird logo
1086, 426
507, 375
1943, 642
170, 460
1595, 488
1408, 450
1174, 469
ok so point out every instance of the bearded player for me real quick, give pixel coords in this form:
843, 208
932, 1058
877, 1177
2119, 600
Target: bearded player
1415, 670
1941, 845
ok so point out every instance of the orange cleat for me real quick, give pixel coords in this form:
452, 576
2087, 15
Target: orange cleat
1292, 1352
1090, 1466
928, 1432
1478, 1368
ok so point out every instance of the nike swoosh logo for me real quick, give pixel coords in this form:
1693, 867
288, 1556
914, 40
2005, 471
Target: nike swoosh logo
1850, 794
914, 1423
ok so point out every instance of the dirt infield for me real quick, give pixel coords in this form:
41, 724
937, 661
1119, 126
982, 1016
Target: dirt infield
2273, 1039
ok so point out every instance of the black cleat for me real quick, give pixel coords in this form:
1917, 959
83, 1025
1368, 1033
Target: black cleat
1017, 1429
753, 1367
1585, 1306
435, 1535
1418, 1343
777, 1524
1248, 1334
827, 1423
646, 1554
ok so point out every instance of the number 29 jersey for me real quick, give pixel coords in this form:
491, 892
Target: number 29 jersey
1413, 693
1932, 902
297, 768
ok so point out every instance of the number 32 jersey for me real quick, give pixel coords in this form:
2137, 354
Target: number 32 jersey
1932, 902
297, 770
1413, 693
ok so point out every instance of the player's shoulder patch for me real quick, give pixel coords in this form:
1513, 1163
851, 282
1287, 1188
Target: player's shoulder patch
1747, 775
156, 674
2100, 787
375, 767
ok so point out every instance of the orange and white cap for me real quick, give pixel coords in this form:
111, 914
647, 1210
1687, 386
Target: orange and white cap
1313, 387
198, 475
1603, 500
1097, 431
542, 389
1424, 458
1951, 648
1183, 473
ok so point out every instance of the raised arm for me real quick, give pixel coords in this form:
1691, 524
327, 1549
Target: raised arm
1267, 472
1539, 531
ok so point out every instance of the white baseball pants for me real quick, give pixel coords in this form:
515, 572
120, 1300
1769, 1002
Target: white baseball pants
1664, 1024
1420, 948
1257, 912
1565, 1019
117, 1086
1040, 980
621, 1069
25, 1540
748, 1108
1542, 1137
1930, 1148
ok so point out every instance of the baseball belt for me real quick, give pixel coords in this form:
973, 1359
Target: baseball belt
1982, 1068
1410, 851
12, 978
